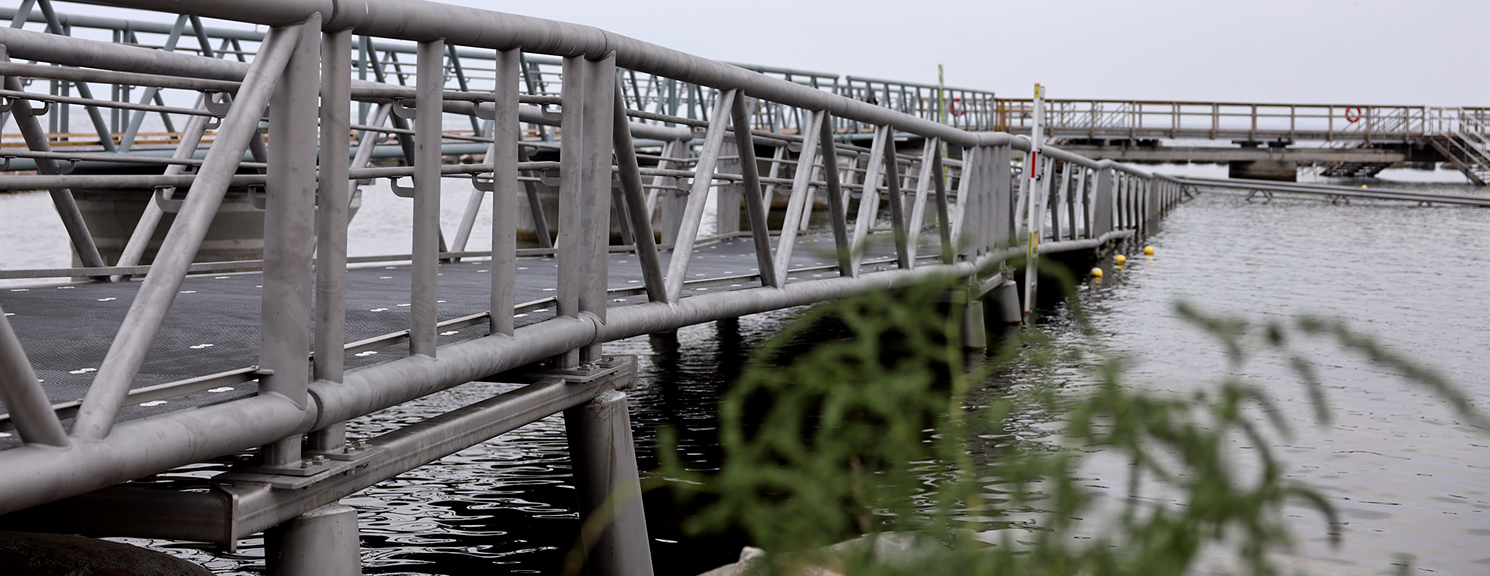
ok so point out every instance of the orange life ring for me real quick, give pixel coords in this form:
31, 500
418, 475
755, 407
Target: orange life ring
955, 106
1353, 114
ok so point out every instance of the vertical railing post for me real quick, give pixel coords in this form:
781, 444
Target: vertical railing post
289, 223
506, 135
585, 192
429, 114
332, 209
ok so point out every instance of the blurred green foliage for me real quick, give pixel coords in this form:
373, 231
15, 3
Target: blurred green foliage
887, 432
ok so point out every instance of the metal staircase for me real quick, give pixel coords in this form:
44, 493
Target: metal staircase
1462, 137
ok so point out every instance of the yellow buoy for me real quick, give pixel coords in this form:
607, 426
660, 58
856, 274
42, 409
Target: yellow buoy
1363, 185
1120, 259
1148, 250
1096, 272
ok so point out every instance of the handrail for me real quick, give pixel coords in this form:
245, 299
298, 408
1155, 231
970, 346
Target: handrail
964, 206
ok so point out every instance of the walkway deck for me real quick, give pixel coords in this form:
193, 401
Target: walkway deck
213, 327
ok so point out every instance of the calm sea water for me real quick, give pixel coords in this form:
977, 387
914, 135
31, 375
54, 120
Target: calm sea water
1411, 481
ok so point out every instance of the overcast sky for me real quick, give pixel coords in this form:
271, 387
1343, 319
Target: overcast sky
1406, 52
1306, 51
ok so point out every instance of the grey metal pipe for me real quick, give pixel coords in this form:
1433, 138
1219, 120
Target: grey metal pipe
333, 207
112, 77
139, 239
636, 202
114, 181
143, 321
67, 207
506, 133
289, 234
837, 209
23, 395
426, 160
755, 206
703, 181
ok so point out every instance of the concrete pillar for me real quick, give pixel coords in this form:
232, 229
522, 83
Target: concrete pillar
974, 332
614, 529
322, 542
1004, 304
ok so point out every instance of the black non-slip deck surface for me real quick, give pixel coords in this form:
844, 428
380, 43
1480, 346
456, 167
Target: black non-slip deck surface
213, 326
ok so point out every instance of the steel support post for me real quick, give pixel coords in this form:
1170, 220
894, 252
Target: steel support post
332, 214
321, 542
614, 532
139, 239
837, 206
36, 139
23, 395
585, 192
152, 301
506, 136
535, 204
926, 178
897, 203
703, 181
943, 221
755, 206
668, 199
429, 114
289, 229
801, 196
636, 203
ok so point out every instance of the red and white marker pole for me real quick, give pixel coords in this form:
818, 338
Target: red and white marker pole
1035, 201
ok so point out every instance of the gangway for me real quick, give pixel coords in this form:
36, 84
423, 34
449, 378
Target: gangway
147, 368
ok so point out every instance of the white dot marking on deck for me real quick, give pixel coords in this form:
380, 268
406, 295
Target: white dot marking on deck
221, 389
20, 289
83, 371
188, 291
364, 354
110, 299
450, 332
201, 346
152, 403
378, 310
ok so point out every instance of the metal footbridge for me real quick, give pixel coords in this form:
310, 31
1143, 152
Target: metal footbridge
147, 364
1344, 140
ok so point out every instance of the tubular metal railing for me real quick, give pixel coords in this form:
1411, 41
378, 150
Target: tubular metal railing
629, 141
1137, 119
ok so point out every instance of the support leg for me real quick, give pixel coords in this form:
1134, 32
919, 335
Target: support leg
615, 526
322, 542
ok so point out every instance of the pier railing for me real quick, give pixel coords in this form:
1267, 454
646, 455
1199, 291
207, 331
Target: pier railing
1257, 122
281, 122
